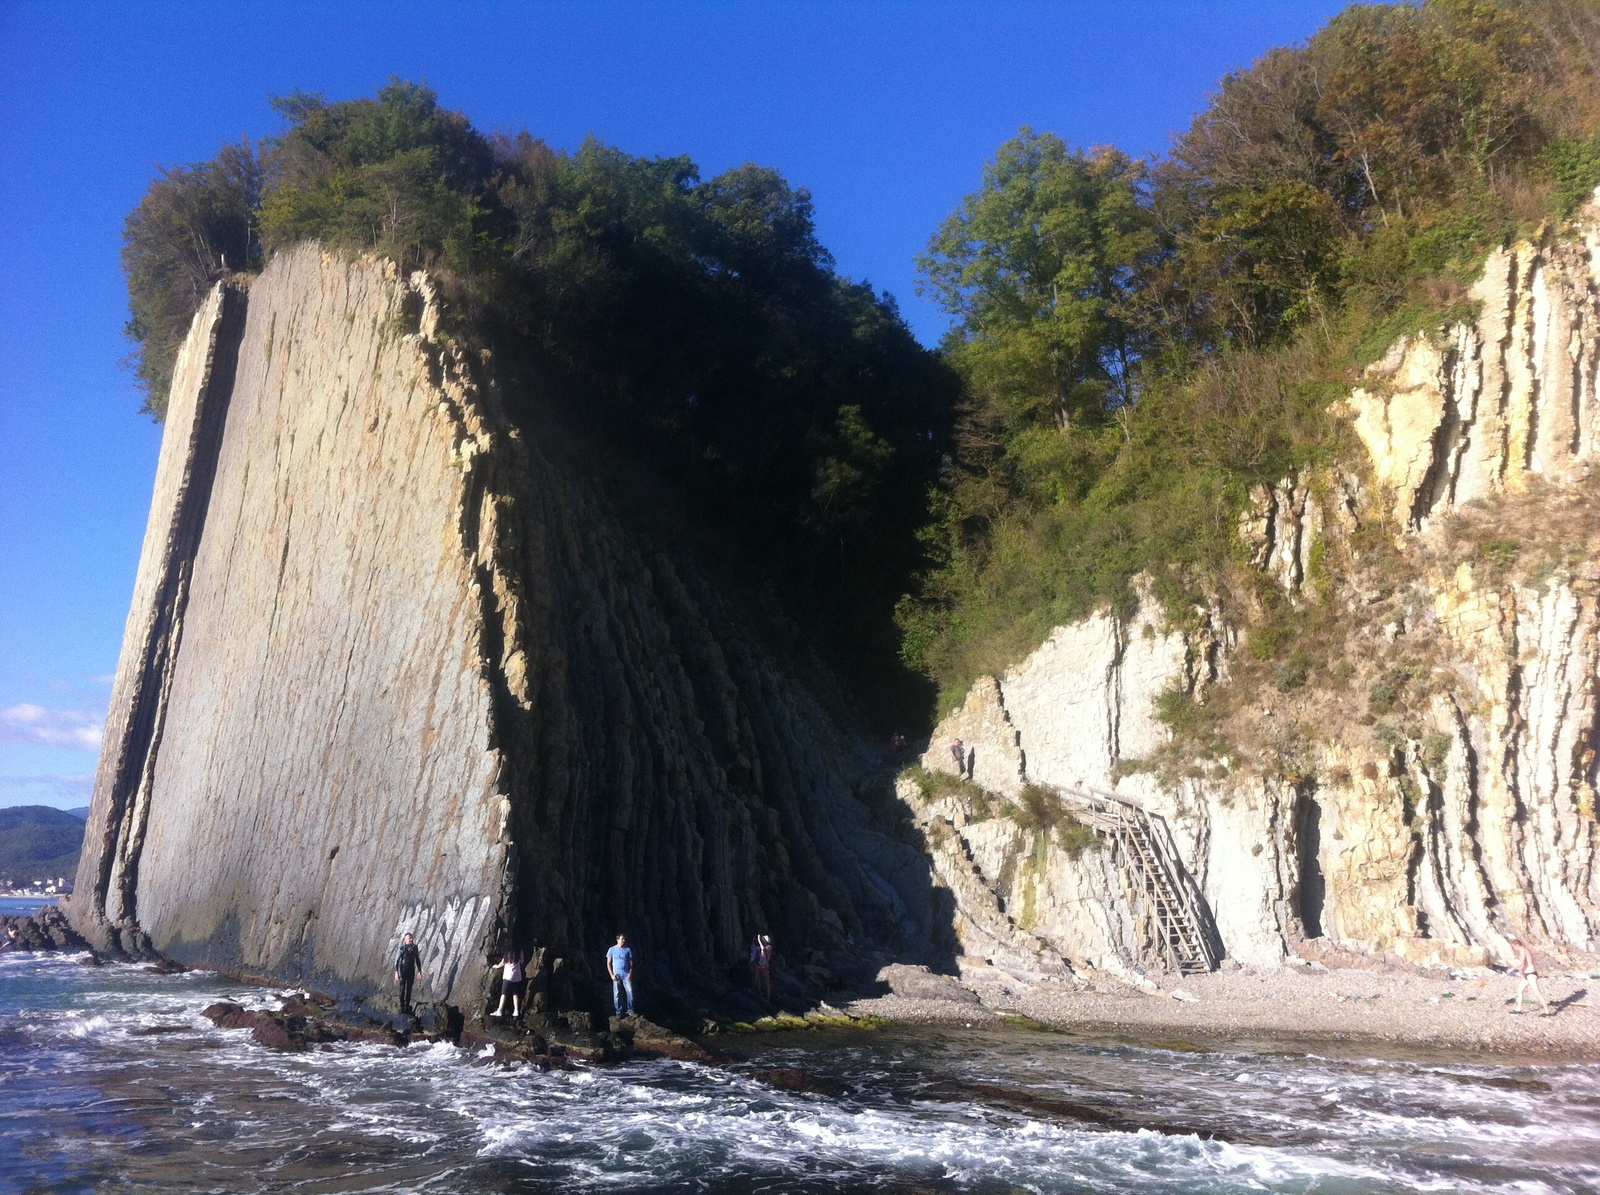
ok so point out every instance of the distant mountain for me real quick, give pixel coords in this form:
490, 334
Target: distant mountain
38, 843
81, 812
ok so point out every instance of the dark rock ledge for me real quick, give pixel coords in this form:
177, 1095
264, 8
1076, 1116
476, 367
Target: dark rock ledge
45, 930
307, 1020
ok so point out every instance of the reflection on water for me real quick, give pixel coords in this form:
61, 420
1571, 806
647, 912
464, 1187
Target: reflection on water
87, 1103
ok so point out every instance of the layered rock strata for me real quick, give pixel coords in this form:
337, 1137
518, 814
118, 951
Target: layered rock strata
1429, 842
1493, 403
394, 664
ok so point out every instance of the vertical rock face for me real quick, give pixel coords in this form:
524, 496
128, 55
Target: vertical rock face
1497, 402
202, 386
394, 665
1431, 845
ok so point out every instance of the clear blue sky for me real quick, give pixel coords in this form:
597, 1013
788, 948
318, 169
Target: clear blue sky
886, 111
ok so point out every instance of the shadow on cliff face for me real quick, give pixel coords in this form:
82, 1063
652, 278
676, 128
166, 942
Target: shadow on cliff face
682, 763
843, 897
867, 857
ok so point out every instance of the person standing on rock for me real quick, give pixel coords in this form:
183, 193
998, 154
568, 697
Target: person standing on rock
407, 968
761, 965
511, 975
619, 965
958, 752
1524, 966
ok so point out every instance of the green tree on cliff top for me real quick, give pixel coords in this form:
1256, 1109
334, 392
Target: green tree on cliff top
697, 326
195, 224
1140, 344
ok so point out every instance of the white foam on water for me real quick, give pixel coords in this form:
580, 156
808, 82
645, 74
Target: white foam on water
749, 1127
263, 1120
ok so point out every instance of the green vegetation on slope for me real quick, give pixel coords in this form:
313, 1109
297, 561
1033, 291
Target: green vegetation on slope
1143, 342
38, 843
1137, 343
697, 326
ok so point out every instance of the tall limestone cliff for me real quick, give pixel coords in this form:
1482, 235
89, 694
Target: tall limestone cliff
394, 663
1438, 793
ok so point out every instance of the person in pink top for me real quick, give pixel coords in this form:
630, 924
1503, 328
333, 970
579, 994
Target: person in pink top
511, 967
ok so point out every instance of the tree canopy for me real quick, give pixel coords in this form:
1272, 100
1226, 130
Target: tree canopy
1036, 266
1134, 344
697, 325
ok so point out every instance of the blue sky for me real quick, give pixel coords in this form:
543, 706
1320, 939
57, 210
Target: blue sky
886, 111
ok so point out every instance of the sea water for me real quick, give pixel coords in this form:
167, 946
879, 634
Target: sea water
15, 906
111, 1081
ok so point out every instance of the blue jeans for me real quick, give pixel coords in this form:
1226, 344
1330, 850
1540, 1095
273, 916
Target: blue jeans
620, 985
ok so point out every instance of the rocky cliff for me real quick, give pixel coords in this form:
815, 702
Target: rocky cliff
398, 659
1416, 779
394, 663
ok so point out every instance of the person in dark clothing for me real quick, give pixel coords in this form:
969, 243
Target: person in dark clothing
407, 968
13, 939
761, 965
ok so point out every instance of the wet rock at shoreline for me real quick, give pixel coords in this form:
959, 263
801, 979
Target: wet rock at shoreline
46, 929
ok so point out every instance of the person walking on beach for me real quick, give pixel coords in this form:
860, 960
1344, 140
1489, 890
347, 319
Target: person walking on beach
761, 966
407, 967
619, 965
512, 962
1524, 966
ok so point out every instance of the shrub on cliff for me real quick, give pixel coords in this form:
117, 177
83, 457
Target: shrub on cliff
399, 176
195, 224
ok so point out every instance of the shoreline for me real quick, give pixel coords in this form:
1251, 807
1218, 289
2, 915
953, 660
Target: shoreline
1391, 1011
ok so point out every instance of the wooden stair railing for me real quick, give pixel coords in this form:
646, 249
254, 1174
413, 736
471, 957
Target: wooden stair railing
1185, 935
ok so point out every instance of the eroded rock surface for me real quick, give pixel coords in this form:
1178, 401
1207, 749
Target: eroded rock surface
1492, 404
1428, 839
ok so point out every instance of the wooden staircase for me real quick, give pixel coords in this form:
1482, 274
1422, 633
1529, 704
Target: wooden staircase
1185, 938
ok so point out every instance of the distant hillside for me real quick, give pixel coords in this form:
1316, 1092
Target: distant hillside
38, 842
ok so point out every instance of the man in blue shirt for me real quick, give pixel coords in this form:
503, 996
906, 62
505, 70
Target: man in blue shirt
619, 965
